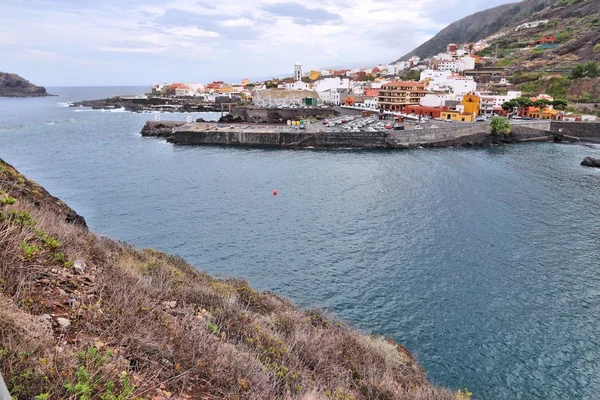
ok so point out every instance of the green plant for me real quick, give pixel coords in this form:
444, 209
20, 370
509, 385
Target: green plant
7, 201
82, 388
43, 396
48, 240
212, 327
29, 251
18, 217
500, 126
586, 70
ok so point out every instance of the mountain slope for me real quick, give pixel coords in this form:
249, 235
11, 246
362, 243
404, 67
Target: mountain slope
12, 85
481, 25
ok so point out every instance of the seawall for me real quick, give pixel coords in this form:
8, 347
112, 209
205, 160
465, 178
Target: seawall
586, 131
474, 135
447, 135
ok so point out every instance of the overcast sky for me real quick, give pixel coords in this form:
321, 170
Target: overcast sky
141, 42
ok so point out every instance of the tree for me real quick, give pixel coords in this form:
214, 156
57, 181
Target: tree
510, 106
522, 102
542, 104
586, 70
500, 126
560, 104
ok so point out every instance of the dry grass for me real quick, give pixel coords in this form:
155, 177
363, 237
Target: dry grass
145, 325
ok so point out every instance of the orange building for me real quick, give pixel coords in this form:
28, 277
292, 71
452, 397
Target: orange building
432, 112
471, 103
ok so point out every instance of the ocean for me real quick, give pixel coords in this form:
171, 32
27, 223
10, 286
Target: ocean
485, 263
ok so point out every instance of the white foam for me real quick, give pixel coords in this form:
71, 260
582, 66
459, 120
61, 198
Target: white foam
65, 104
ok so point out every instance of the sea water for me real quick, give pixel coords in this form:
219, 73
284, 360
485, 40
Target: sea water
485, 263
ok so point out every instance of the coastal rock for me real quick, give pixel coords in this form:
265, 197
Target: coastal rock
79, 267
591, 162
63, 322
12, 85
160, 128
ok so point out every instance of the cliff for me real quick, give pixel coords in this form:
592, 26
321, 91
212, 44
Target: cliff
12, 85
87, 317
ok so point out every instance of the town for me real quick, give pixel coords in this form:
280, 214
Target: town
454, 86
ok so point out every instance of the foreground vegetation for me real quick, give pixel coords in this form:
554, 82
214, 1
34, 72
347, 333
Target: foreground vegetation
85, 317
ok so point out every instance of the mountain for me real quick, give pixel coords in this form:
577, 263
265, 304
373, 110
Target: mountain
12, 85
483, 24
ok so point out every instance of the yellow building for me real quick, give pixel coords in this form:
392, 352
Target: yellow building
314, 75
457, 116
472, 104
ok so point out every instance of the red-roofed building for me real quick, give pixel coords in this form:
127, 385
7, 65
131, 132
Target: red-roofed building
432, 112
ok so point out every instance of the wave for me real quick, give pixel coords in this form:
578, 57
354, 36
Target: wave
65, 104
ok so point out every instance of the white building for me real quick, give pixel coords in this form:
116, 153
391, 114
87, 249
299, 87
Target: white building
331, 83
450, 82
492, 102
401, 66
298, 85
464, 63
533, 24
371, 104
332, 96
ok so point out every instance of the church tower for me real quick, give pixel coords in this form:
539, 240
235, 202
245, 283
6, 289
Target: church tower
298, 71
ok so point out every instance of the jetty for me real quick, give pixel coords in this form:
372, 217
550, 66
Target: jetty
447, 135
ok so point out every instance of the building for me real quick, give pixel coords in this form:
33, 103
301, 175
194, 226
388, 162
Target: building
298, 71
471, 104
278, 97
492, 103
431, 112
457, 116
334, 96
297, 85
394, 96
529, 25
331, 83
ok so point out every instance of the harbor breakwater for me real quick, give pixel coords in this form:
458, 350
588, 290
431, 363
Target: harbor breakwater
452, 135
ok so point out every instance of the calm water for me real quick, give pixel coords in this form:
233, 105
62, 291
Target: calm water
483, 262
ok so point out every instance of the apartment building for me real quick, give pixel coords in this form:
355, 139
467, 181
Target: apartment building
394, 96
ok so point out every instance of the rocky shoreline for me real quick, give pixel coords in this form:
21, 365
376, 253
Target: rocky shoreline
12, 85
146, 104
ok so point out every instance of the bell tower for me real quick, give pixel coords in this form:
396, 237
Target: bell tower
298, 71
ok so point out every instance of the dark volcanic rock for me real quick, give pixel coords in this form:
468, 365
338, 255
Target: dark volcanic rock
160, 128
591, 162
12, 85
230, 118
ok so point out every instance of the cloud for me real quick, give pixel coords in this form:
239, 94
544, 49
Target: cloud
303, 15
148, 41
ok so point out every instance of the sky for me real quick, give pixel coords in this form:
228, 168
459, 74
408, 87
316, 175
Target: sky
143, 42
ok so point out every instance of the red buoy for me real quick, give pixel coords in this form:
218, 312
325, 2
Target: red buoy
274, 192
